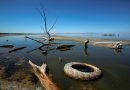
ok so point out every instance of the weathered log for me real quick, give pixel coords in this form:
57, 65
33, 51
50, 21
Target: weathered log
40, 72
7, 46
106, 42
17, 49
64, 47
118, 45
111, 44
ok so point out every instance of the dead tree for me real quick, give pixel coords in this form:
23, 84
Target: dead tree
46, 29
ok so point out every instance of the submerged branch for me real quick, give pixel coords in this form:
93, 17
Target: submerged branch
34, 39
16, 49
7, 46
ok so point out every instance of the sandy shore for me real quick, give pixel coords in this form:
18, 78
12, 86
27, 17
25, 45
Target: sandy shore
93, 41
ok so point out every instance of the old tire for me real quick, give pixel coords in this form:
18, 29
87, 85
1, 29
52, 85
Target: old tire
77, 74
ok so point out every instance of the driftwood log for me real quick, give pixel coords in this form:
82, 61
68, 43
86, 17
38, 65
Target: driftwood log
40, 72
118, 45
7, 46
111, 44
64, 47
17, 49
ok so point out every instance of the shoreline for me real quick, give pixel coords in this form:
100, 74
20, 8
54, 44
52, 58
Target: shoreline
100, 42
93, 41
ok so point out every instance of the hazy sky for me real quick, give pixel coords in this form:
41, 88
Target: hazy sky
74, 15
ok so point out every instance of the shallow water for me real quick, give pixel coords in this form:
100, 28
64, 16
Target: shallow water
114, 36
15, 72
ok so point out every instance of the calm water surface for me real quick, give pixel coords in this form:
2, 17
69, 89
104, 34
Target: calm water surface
115, 36
15, 72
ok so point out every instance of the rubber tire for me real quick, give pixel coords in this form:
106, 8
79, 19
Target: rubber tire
76, 74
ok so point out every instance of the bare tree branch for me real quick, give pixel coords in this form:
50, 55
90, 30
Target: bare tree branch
43, 15
45, 19
40, 12
53, 25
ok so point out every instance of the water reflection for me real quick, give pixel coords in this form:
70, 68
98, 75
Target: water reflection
117, 51
86, 51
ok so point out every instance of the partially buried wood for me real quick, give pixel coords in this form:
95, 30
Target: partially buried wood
117, 45
7, 46
40, 72
64, 47
17, 49
40, 48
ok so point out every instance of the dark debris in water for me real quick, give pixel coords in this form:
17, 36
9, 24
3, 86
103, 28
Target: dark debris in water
64, 47
7, 46
17, 49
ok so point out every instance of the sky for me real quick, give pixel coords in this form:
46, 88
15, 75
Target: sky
74, 16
